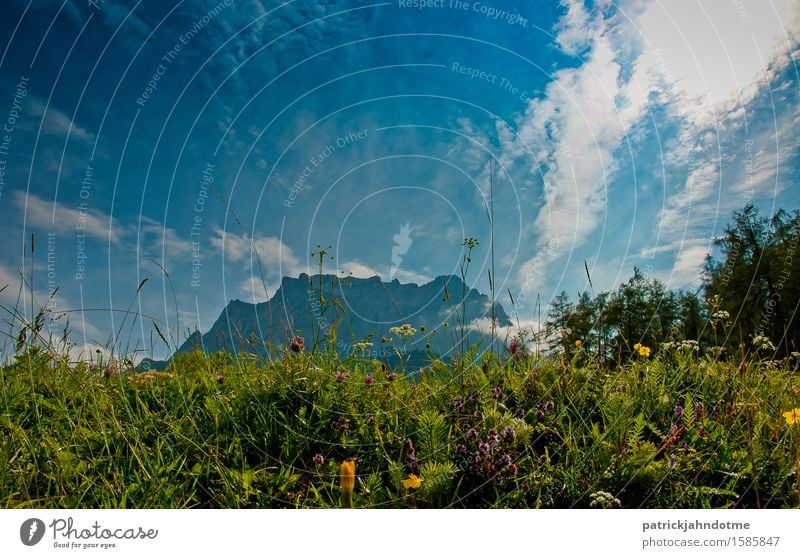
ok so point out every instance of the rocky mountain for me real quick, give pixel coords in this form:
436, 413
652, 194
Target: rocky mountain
359, 309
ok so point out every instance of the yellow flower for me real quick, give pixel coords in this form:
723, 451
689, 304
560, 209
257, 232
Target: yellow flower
578, 343
637, 346
642, 350
413, 481
792, 417
347, 476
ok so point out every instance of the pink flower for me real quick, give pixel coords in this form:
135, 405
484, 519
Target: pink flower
297, 344
515, 348
367, 379
341, 376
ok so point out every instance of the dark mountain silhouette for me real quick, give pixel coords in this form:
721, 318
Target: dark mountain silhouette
360, 309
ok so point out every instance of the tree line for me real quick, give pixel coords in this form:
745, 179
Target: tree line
747, 302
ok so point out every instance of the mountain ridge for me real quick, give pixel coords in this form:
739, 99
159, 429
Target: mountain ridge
361, 308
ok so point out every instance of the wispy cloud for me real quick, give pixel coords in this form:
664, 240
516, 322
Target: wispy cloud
55, 217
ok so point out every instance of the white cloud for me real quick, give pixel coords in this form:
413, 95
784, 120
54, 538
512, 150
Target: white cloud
687, 270
573, 131
714, 54
55, 217
56, 122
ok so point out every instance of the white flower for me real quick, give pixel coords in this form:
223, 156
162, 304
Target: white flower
404, 330
763, 342
720, 315
603, 499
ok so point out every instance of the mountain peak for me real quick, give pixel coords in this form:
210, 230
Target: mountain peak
369, 307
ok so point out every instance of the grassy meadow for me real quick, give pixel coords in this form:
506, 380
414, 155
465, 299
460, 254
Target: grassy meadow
664, 430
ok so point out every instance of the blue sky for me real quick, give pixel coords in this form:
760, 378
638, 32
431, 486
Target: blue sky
151, 137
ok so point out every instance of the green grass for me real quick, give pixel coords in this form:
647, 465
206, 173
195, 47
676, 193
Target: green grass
212, 432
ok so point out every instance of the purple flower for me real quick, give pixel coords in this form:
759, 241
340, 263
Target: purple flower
515, 348
508, 433
506, 460
458, 405
549, 406
371, 420
220, 378
391, 377
678, 410
512, 470
698, 407
297, 344
341, 376
492, 436
497, 393
483, 447
318, 459
341, 424
472, 434
367, 379
539, 414
461, 449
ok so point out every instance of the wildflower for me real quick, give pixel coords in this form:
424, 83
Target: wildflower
413, 481
347, 482
604, 500
539, 414
497, 393
341, 376
720, 315
472, 434
678, 410
297, 344
404, 331
461, 449
549, 407
458, 405
698, 407
492, 436
318, 459
371, 420
368, 379
515, 348
220, 378
362, 346
341, 424
512, 469
793, 416
642, 350
508, 433
483, 448
578, 343
762, 342
391, 377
